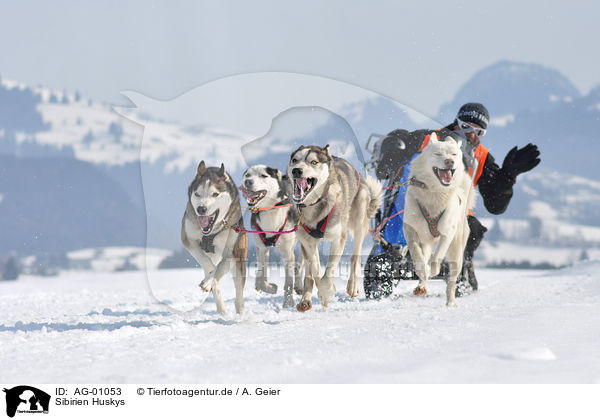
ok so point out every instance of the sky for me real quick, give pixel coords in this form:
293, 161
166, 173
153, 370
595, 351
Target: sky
418, 54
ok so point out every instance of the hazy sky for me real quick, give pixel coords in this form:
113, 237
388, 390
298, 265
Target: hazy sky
418, 53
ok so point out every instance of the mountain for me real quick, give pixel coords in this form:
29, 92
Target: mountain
58, 204
378, 114
508, 87
565, 133
148, 178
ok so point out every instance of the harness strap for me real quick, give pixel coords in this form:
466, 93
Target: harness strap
432, 223
414, 181
276, 206
207, 243
319, 231
261, 234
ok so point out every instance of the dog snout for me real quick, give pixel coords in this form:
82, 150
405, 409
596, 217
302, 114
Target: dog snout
201, 209
449, 163
248, 183
297, 173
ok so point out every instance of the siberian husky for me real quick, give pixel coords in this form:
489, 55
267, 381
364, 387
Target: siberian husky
331, 198
213, 204
437, 201
263, 189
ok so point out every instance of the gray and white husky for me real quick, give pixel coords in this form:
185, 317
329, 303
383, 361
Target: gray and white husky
213, 203
435, 213
331, 198
263, 188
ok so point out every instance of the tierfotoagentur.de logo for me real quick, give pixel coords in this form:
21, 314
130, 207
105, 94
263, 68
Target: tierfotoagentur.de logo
26, 399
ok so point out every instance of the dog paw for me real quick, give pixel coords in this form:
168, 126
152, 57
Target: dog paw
207, 285
270, 288
299, 290
326, 289
352, 290
451, 304
304, 305
420, 291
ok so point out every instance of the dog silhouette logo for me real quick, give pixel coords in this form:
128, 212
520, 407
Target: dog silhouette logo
26, 399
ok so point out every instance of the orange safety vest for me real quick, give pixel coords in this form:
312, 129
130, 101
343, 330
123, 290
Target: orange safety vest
480, 154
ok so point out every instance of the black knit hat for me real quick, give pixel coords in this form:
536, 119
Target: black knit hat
474, 113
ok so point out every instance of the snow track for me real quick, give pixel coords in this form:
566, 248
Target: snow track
521, 327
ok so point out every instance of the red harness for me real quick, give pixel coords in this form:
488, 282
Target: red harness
319, 231
261, 234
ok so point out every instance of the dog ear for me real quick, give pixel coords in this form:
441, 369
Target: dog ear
222, 170
273, 172
433, 138
201, 169
326, 150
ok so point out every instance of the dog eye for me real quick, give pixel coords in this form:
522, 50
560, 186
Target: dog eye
264, 176
294, 160
196, 194
216, 194
314, 162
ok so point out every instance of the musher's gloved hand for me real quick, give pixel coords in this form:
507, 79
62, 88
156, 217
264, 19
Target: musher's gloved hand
522, 160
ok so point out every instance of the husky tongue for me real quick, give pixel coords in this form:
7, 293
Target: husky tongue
301, 185
250, 195
204, 221
445, 175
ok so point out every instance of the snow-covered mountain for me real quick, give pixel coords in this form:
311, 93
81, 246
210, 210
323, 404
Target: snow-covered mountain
509, 87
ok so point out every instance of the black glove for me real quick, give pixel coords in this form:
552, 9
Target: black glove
522, 160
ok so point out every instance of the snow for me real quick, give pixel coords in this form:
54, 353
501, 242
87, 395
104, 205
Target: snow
520, 327
496, 252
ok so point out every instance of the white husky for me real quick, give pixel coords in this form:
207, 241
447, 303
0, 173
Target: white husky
437, 201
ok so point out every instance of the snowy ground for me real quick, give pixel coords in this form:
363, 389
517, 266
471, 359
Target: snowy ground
521, 327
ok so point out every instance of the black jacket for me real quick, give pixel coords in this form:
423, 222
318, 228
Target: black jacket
399, 146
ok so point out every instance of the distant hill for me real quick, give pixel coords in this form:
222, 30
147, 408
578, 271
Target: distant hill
509, 87
59, 204
73, 170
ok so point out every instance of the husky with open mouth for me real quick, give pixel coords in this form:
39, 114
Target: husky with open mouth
331, 197
435, 212
213, 204
263, 188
